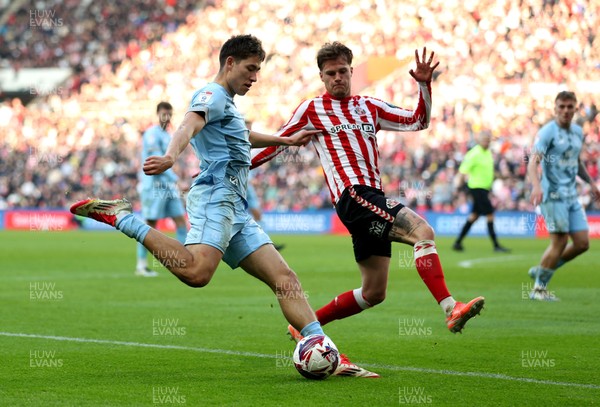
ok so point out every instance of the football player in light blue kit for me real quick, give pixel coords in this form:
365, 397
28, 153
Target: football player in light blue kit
159, 193
221, 227
558, 147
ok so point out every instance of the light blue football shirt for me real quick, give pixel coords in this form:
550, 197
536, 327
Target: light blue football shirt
560, 150
223, 145
155, 142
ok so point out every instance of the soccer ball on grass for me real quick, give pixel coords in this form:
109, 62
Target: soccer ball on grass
316, 357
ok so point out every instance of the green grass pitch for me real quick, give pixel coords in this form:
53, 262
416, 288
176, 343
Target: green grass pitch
79, 329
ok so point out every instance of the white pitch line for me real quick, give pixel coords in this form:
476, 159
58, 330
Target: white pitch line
66, 276
490, 260
482, 375
137, 344
266, 356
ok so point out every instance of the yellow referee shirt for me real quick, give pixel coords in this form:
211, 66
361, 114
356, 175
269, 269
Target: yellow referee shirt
479, 166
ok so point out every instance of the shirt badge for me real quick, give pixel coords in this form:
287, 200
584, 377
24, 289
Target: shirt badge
359, 111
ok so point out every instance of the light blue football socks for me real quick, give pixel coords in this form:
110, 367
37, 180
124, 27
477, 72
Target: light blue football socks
133, 227
314, 328
543, 276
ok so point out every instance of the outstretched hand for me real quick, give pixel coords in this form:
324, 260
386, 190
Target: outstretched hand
155, 165
301, 138
424, 71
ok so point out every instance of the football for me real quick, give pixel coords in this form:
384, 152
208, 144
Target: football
316, 357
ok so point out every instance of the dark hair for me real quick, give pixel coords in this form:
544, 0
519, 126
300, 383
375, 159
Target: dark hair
163, 105
332, 50
566, 95
241, 47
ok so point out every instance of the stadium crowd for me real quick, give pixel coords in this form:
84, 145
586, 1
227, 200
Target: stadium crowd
90, 37
502, 63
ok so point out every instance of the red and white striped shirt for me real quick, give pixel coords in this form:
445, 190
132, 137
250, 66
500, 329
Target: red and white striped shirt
347, 145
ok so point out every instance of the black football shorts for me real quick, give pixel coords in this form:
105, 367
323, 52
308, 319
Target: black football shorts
481, 201
368, 215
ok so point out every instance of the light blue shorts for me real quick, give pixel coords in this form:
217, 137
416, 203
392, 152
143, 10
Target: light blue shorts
219, 218
252, 198
159, 203
564, 216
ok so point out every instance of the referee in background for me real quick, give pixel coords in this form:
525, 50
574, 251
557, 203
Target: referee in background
478, 166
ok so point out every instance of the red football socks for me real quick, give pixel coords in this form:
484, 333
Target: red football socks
342, 306
429, 267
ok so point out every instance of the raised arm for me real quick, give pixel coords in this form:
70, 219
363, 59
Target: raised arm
192, 123
398, 119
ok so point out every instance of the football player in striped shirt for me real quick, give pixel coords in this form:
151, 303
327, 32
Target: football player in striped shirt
347, 148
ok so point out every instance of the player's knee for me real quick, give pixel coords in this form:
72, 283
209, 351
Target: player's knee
583, 246
199, 277
425, 232
197, 281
